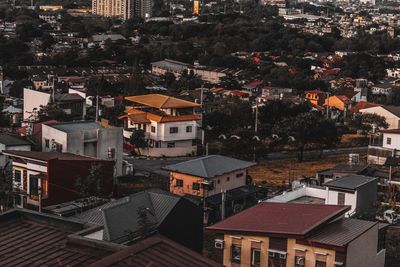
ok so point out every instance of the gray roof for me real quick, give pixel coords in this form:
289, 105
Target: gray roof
68, 97
171, 65
341, 233
209, 166
350, 181
395, 110
76, 126
10, 140
120, 218
103, 37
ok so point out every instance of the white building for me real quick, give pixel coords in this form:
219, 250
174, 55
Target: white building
170, 124
385, 144
357, 191
390, 113
71, 104
85, 138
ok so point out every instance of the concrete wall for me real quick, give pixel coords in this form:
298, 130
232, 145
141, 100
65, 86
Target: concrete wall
177, 151
391, 119
162, 131
350, 199
34, 99
363, 250
297, 193
394, 141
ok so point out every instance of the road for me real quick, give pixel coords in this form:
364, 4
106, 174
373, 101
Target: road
316, 153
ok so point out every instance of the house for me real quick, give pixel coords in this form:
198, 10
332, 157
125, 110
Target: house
56, 241
339, 102
205, 179
384, 145
363, 105
390, 113
86, 138
287, 234
10, 142
316, 97
170, 124
71, 104
48, 178
382, 88
172, 216
216, 171
357, 191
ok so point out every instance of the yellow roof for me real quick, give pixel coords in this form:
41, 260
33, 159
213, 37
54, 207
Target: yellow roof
161, 101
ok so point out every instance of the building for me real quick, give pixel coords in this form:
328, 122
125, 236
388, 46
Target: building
357, 191
383, 146
170, 124
48, 178
390, 113
121, 221
86, 138
220, 173
56, 241
316, 97
282, 234
72, 104
339, 102
9, 142
123, 9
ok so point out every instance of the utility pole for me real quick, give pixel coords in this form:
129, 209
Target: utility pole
256, 119
223, 196
97, 107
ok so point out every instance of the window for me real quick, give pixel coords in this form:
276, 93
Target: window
33, 185
299, 261
196, 186
228, 178
153, 129
189, 129
179, 183
389, 141
239, 175
255, 257
320, 263
58, 147
218, 181
173, 130
171, 144
17, 176
47, 143
17, 200
235, 253
276, 259
341, 198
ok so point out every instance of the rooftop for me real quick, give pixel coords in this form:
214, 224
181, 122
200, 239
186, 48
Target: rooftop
76, 126
156, 251
157, 202
280, 218
46, 156
342, 232
350, 182
36, 239
209, 166
161, 101
10, 140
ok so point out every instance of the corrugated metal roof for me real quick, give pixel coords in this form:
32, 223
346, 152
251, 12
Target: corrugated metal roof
280, 218
156, 251
350, 181
342, 232
209, 166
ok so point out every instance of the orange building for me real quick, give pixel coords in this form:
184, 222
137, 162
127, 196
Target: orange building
316, 97
340, 102
297, 235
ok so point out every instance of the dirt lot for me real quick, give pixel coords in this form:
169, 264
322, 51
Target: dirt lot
275, 172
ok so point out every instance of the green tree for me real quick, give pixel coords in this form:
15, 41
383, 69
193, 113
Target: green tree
367, 121
138, 140
93, 184
306, 129
49, 112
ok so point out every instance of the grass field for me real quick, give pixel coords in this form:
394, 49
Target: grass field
275, 172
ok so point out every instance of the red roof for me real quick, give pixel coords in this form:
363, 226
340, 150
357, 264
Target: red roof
364, 104
280, 218
344, 98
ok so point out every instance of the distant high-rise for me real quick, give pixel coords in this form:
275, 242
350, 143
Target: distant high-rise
124, 9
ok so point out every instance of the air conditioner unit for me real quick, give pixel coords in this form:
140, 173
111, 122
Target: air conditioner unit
271, 254
282, 256
219, 244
